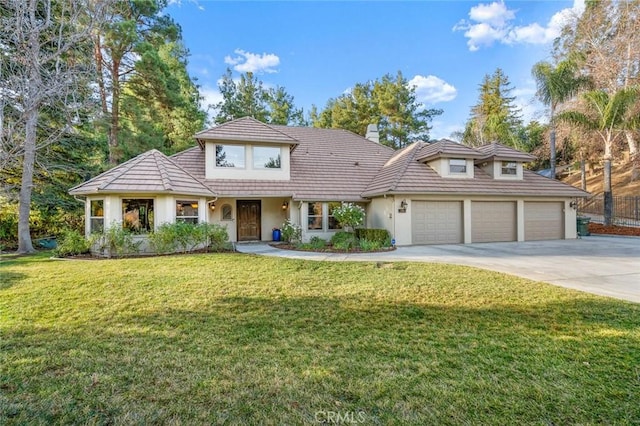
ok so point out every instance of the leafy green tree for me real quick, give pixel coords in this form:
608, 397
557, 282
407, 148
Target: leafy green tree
607, 116
388, 102
495, 117
557, 84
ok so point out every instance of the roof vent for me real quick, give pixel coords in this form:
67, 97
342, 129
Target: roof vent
372, 133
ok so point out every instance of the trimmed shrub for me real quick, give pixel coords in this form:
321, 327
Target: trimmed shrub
72, 243
216, 236
378, 235
317, 243
344, 240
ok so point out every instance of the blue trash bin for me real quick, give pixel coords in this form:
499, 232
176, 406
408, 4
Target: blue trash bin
276, 235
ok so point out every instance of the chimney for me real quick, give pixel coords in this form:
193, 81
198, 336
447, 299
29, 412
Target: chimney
372, 133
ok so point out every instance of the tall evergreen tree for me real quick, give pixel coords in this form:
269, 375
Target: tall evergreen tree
388, 102
142, 80
248, 98
495, 118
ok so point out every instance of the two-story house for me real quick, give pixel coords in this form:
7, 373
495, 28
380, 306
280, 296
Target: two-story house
250, 177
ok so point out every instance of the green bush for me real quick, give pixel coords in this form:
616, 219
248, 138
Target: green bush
349, 215
216, 236
186, 237
344, 240
378, 235
115, 242
368, 245
317, 243
290, 232
72, 243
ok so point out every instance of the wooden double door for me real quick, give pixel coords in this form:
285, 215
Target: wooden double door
248, 220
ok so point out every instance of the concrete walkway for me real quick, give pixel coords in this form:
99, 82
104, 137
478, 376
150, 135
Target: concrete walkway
608, 266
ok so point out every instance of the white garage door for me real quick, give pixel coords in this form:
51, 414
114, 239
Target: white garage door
493, 221
543, 221
436, 222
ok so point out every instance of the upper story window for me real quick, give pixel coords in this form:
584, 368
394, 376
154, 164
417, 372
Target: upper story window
230, 156
509, 168
457, 166
137, 215
266, 157
97, 216
187, 211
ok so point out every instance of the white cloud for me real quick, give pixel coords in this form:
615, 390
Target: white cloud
431, 89
253, 62
211, 96
495, 14
489, 23
441, 130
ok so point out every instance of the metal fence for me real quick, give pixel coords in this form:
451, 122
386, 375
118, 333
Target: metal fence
626, 210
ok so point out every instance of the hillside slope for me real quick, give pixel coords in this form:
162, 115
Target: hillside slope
620, 181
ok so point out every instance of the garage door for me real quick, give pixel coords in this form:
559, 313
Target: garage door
436, 222
543, 221
493, 221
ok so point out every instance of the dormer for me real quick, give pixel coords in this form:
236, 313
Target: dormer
246, 149
449, 159
502, 162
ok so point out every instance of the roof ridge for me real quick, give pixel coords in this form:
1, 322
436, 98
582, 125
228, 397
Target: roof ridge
276, 130
129, 165
414, 148
164, 174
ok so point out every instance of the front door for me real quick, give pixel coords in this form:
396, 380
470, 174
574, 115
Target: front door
248, 220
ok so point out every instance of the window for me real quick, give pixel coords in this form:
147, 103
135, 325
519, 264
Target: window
333, 223
509, 168
137, 215
226, 212
265, 157
187, 211
457, 166
314, 216
96, 219
230, 156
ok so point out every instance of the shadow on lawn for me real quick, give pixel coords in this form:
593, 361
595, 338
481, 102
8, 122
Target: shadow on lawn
233, 355
9, 279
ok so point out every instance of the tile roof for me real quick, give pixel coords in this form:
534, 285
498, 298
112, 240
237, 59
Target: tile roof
446, 148
150, 172
245, 129
497, 151
402, 174
327, 165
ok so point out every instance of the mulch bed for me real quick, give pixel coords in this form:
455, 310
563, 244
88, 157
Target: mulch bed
328, 249
597, 228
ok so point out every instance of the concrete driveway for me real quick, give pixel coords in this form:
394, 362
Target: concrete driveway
608, 266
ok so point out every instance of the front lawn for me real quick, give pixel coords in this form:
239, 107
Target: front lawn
239, 339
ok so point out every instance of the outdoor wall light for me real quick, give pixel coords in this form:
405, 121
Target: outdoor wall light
212, 206
285, 205
573, 204
403, 204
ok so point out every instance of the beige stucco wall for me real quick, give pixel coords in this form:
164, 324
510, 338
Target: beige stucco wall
271, 215
441, 166
164, 208
247, 172
401, 228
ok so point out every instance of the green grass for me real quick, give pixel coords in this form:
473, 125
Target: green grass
239, 339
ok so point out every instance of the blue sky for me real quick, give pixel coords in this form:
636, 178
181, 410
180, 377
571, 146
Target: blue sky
318, 50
